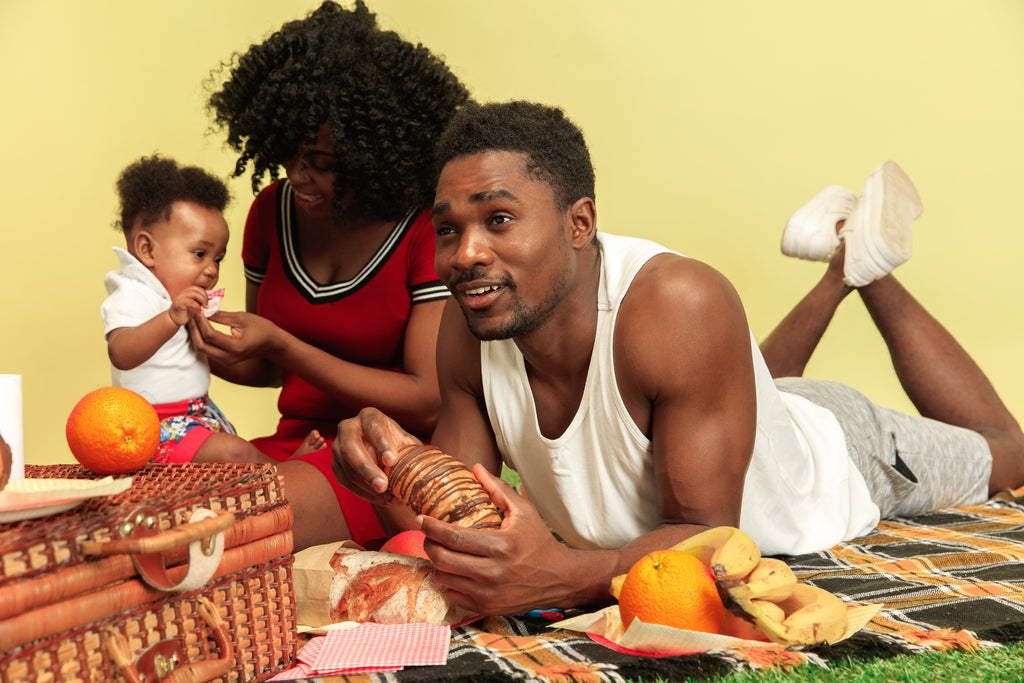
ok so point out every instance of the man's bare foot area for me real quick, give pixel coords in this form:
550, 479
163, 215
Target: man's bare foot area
313, 442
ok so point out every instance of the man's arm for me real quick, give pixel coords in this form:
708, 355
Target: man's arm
367, 443
683, 359
463, 429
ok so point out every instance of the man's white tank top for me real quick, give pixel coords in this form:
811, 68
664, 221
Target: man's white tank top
595, 484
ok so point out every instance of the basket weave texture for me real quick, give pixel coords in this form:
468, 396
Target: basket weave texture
35, 547
56, 602
258, 606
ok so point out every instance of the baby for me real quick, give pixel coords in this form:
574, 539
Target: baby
176, 237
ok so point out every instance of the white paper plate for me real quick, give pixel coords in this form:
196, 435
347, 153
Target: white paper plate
33, 510
32, 497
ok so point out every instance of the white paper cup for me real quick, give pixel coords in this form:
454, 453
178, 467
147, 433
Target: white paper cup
11, 424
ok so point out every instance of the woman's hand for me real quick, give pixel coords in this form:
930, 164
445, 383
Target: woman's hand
251, 336
364, 446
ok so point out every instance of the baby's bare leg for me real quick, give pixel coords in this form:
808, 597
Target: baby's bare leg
224, 447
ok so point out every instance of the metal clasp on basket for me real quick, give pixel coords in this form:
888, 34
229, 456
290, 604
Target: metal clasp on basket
162, 660
140, 520
208, 545
164, 665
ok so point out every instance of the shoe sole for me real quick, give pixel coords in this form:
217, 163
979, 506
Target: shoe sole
899, 206
880, 231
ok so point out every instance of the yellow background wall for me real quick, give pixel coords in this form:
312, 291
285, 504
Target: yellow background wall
709, 123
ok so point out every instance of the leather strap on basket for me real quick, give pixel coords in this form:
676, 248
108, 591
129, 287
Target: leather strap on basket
163, 661
145, 543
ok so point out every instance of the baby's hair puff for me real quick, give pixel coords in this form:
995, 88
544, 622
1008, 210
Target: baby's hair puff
147, 189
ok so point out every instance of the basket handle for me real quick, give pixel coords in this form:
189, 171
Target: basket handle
162, 661
145, 543
146, 540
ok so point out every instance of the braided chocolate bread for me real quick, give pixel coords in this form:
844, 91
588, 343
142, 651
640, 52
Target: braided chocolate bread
436, 484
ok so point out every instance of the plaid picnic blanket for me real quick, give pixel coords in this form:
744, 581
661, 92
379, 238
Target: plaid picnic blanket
951, 579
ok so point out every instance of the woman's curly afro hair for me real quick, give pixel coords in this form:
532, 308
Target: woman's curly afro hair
385, 102
148, 187
553, 145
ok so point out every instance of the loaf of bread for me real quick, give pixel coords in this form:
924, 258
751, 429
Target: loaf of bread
435, 484
388, 588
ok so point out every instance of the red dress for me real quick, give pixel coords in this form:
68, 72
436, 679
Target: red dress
361, 320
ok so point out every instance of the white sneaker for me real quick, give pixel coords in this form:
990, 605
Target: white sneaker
878, 233
811, 231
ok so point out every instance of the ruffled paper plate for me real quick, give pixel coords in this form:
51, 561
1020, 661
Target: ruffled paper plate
340, 625
31, 498
322, 630
605, 627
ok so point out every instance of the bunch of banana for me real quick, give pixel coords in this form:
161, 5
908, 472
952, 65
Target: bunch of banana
770, 579
807, 616
764, 590
729, 553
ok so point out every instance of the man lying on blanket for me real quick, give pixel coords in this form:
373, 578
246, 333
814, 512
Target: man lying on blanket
621, 381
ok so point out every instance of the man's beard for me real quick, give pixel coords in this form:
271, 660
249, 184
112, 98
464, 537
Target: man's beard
524, 319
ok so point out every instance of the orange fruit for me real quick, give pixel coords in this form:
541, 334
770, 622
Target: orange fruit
113, 431
406, 543
673, 588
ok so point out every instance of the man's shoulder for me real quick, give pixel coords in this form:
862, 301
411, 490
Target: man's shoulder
647, 262
682, 299
654, 280
680, 321
626, 248
674, 279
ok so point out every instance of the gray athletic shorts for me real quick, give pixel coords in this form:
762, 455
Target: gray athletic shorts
911, 464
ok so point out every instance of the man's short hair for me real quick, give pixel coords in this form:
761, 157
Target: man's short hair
148, 187
555, 150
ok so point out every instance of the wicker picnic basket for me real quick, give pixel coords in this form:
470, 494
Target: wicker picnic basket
105, 591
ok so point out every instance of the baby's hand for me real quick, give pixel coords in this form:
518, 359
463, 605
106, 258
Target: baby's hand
187, 304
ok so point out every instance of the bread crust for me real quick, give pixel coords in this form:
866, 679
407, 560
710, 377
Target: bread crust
388, 588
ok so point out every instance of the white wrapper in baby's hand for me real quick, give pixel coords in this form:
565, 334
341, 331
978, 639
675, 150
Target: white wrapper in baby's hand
213, 305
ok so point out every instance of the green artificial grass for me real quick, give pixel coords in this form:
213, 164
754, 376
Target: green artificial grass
510, 476
993, 665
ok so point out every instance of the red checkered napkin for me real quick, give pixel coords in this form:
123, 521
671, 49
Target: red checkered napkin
308, 654
292, 674
375, 647
306, 664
